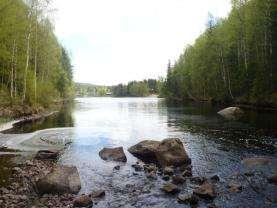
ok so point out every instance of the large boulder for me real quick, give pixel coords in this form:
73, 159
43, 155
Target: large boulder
113, 154
62, 179
168, 152
145, 150
171, 152
231, 113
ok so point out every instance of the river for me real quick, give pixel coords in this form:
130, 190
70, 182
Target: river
214, 144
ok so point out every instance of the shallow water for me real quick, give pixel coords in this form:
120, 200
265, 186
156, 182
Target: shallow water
215, 145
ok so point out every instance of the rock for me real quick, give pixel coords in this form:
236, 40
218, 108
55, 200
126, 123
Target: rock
256, 161
113, 154
185, 168
151, 175
178, 179
272, 179
82, 201
62, 179
168, 171
150, 168
117, 167
206, 190
187, 173
189, 198
170, 188
234, 186
137, 167
171, 152
47, 154
215, 178
166, 177
231, 113
145, 150
198, 180
97, 194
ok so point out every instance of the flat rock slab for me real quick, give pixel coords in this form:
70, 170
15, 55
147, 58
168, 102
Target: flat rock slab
62, 179
113, 154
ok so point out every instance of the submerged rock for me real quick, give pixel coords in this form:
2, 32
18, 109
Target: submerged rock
83, 201
97, 194
198, 180
206, 190
215, 178
256, 161
168, 171
166, 177
137, 167
62, 179
234, 186
169, 152
47, 154
273, 178
117, 167
170, 188
231, 113
151, 175
113, 154
189, 198
178, 179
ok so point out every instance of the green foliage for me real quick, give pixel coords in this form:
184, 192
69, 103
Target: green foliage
233, 60
90, 90
34, 68
136, 88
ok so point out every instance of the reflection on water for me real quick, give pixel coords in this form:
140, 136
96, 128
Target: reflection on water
215, 145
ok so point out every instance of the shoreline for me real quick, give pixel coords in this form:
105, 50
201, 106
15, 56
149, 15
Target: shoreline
248, 106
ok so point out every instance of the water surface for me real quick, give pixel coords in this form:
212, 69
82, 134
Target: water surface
215, 145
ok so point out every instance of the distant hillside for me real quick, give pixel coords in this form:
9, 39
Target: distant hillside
90, 90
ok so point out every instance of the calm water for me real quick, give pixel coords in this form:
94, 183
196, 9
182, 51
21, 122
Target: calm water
215, 145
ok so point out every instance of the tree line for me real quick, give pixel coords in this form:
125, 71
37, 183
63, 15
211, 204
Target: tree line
90, 90
234, 60
137, 88
35, 69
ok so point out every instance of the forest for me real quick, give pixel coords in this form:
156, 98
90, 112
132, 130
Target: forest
234, 60
137, 88
35, 69
90, 90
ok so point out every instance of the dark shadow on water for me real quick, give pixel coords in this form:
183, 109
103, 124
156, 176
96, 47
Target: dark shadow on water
63, 118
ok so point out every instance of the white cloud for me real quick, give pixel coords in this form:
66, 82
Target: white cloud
118, 41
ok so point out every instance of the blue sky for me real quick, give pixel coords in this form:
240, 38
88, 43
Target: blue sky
113, 42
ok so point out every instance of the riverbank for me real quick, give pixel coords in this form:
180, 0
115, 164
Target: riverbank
243, 104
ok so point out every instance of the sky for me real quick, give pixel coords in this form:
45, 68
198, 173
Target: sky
116, 41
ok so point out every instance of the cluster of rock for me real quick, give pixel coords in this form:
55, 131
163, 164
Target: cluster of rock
168, 160
41, 182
